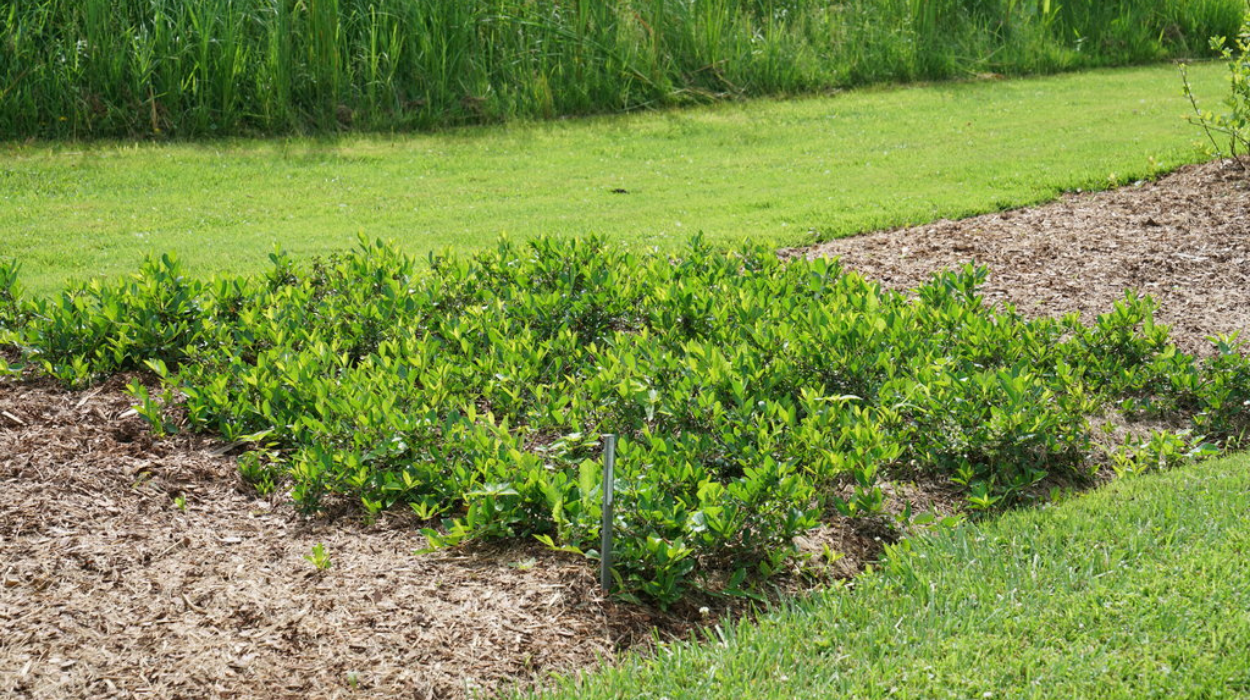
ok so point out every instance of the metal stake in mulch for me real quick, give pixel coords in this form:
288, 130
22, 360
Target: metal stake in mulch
605, 530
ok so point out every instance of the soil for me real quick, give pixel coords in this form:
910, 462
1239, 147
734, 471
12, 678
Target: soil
132, 566
1184, 240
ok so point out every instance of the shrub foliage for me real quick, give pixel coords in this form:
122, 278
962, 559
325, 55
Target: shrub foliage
753, 396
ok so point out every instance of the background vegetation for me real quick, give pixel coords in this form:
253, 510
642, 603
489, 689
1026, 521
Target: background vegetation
91, 68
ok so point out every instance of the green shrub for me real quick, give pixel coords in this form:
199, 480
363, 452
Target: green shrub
10, 296
100, 329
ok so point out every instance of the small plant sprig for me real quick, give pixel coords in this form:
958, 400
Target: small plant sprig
11, 310
1164, 449
261, 468
152, 410
319, 557
1234, 125
753, 396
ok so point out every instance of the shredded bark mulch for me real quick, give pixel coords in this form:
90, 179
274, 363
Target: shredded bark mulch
1184, 240
140, 567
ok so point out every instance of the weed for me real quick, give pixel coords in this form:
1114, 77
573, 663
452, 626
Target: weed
319, 558
1233, 125
10, 296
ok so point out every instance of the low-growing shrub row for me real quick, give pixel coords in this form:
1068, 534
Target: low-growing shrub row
753, 395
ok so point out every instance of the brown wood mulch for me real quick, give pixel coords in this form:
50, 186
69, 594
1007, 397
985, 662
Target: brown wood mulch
1184, 240
109, 589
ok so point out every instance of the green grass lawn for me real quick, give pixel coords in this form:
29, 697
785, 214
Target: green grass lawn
786, 172
1137, 590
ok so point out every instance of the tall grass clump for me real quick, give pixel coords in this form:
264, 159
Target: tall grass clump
91, 68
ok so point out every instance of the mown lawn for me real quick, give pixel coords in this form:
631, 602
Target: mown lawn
1137, 590
785, 172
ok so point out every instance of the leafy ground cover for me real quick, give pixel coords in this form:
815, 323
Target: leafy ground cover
1135, 590
95, 68
753, 396
785, 172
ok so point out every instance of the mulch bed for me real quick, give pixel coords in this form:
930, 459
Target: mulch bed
1184, 240
109, 589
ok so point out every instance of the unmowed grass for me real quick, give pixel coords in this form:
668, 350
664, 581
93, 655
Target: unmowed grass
1136, 590
195, 68
784, 172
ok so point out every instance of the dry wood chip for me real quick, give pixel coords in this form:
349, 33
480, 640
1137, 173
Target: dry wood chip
87, 397
1183, 239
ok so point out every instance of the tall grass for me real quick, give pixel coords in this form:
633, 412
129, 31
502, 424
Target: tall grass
88, 68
